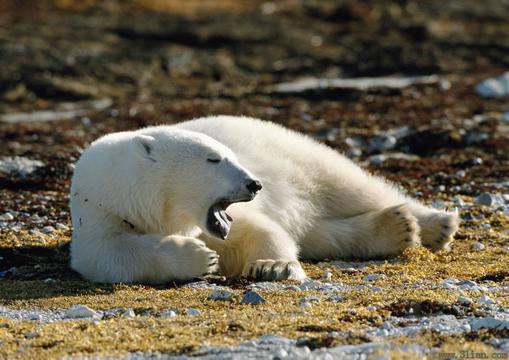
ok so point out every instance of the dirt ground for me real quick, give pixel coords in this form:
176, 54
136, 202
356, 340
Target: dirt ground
105, 66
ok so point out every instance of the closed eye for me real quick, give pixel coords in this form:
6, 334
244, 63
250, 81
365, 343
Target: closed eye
215, 161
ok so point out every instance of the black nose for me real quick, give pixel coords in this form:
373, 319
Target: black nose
254, 186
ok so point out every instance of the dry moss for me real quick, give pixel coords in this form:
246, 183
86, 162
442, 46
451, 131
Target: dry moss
223, 323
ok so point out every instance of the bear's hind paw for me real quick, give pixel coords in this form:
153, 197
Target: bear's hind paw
439, 229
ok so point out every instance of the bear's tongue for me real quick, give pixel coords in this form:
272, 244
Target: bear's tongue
219, 222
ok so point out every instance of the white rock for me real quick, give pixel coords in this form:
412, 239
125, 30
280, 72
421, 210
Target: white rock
478, 246
6, 217
485, 300
168, 313
60, 226
21, 167
81, 312
193, 312
129, 313
221, 295
494, 87
327, 275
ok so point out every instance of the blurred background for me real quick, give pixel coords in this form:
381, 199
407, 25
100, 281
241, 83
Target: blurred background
71, 71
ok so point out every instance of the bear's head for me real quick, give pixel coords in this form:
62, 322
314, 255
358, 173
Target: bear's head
196, 176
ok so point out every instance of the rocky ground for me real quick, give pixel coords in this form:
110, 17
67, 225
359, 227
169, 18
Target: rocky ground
72, 71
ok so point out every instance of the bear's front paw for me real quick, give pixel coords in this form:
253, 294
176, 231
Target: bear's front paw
270, 270
199, 259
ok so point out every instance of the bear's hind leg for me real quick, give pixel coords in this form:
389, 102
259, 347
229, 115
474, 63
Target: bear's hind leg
379, 233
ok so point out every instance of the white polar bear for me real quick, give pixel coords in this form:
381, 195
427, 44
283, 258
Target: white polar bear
149, 205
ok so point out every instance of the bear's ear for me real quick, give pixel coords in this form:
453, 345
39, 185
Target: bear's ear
143, 146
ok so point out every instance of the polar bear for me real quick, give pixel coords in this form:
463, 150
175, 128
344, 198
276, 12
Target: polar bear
236, 194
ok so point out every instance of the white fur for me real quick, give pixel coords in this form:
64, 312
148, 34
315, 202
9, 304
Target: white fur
315, 204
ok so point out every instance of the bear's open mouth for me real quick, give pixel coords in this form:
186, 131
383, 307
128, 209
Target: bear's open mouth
218, 221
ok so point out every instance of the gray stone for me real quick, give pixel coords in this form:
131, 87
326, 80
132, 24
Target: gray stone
486, 199
382, 142
478, 246
193, 312
373, 277
253, 298
48, 229
465, 300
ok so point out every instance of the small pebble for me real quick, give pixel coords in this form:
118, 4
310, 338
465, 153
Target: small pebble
253, 298
310, 299
193, 312
47, 229
468, 283
60, 226
485, 199
373, 277
31, 335
478, 246
464, 300
168, 313
129, 313
6, 217
457, 201
485, 300
221, 295
336, 298
327, 275
81, 312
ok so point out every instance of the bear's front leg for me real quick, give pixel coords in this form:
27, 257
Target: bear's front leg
257, 247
